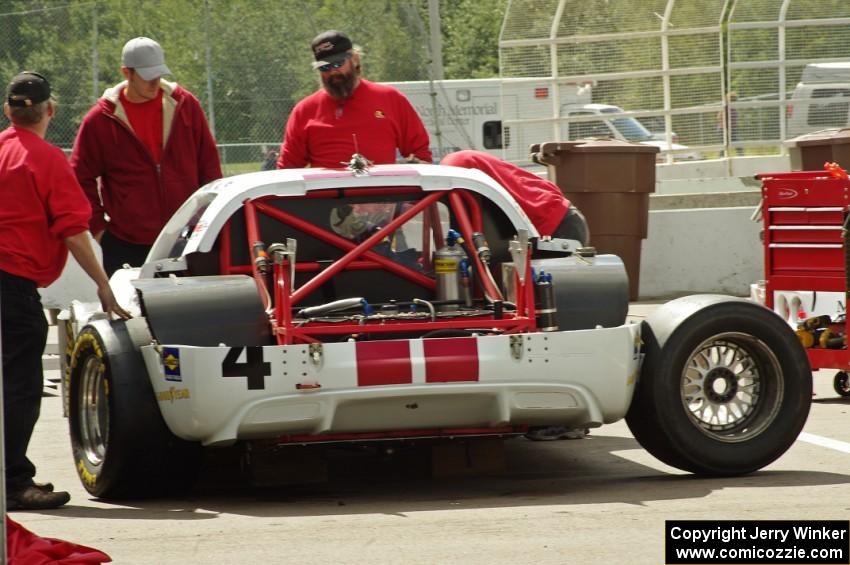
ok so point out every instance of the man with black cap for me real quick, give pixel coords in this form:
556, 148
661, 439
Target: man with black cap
148, 144
350, 115
43, 215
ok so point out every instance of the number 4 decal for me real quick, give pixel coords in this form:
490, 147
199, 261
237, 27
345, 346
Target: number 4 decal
254, 369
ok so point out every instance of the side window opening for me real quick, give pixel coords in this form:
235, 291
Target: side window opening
595, 128
492, 135
829, 107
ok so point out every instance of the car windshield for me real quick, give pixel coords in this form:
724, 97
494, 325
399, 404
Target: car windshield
176, 233
631, 129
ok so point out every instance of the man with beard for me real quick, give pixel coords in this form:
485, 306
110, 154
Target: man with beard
350, 115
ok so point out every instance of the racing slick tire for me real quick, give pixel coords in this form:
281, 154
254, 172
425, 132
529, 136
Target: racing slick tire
841, 384
725, 387
121, 445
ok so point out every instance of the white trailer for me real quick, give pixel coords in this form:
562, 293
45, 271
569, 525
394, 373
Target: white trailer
468, 114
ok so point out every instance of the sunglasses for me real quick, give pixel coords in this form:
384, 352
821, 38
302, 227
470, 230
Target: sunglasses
333, 66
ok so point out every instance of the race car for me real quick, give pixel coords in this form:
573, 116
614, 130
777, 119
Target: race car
399, 303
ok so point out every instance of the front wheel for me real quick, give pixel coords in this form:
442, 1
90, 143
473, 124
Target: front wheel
121, 445
725, 386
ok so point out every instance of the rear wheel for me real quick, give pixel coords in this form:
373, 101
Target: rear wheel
724, 390
841, 384
122, 447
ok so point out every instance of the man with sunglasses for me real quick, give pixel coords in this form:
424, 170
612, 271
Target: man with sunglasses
43, 214
350, 115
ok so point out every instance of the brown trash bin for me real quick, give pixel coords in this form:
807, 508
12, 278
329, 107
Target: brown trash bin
810, 151
610, 182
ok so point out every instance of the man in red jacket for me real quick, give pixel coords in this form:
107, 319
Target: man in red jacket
350, 115
148, 143
44, 213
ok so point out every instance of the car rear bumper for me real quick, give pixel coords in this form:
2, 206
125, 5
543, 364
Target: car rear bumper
217, 395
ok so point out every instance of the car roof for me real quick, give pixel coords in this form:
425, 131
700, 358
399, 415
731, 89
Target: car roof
594, 106
225, 196
826, 72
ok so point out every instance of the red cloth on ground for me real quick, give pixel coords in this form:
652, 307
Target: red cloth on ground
541, 200
26, 548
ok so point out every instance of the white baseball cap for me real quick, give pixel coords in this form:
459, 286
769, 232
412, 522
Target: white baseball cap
145, 56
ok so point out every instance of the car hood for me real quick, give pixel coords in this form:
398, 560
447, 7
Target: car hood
663, 145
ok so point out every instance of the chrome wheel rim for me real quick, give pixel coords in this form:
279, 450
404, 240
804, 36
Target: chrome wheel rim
94, 409
731, 387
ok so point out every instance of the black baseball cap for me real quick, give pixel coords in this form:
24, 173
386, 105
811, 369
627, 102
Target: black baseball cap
26, 89
330, 47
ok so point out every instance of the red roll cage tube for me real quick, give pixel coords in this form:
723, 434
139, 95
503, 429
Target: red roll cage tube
467, 212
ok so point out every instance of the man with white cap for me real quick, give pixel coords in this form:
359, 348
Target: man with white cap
142, 149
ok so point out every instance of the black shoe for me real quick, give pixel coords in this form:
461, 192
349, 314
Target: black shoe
36, 497
46, 487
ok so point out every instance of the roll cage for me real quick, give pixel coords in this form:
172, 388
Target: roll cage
283, 238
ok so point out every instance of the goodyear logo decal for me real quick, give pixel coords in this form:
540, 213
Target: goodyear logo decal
173, 394
171, 363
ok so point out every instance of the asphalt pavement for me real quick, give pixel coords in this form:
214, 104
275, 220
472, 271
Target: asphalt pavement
599, 500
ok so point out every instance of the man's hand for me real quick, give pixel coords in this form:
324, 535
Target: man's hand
413, 159
109, 304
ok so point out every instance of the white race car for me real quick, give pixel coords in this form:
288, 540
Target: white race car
397, 303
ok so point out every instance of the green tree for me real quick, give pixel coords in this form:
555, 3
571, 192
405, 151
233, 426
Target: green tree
470, 30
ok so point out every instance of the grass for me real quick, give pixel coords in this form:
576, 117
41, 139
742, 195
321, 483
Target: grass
230, 169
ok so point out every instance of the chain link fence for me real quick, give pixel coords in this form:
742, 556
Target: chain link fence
248, 62
698, 78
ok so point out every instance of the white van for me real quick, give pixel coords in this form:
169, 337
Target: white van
602, 120
821, 99
468, 114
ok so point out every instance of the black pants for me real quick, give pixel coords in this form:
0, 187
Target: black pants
24, 335
117, 252
573, 226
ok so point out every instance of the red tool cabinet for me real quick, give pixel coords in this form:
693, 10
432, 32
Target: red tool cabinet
805, 239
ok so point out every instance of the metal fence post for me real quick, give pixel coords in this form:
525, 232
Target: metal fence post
210, 103
3, 532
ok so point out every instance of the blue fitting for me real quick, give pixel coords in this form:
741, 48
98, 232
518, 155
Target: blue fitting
367, 309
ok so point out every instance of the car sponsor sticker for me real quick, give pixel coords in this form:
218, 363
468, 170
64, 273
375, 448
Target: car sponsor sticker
171, 364
173, 394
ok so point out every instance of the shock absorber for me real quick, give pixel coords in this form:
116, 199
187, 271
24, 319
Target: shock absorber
261, 258
547, 309
482, 248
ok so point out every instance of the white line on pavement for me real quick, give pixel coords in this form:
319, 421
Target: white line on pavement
825, 442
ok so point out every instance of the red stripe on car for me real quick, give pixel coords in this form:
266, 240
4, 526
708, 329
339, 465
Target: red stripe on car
383, 363
451, 359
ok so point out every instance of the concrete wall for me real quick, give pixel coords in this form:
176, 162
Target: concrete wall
700, 250
701, 237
